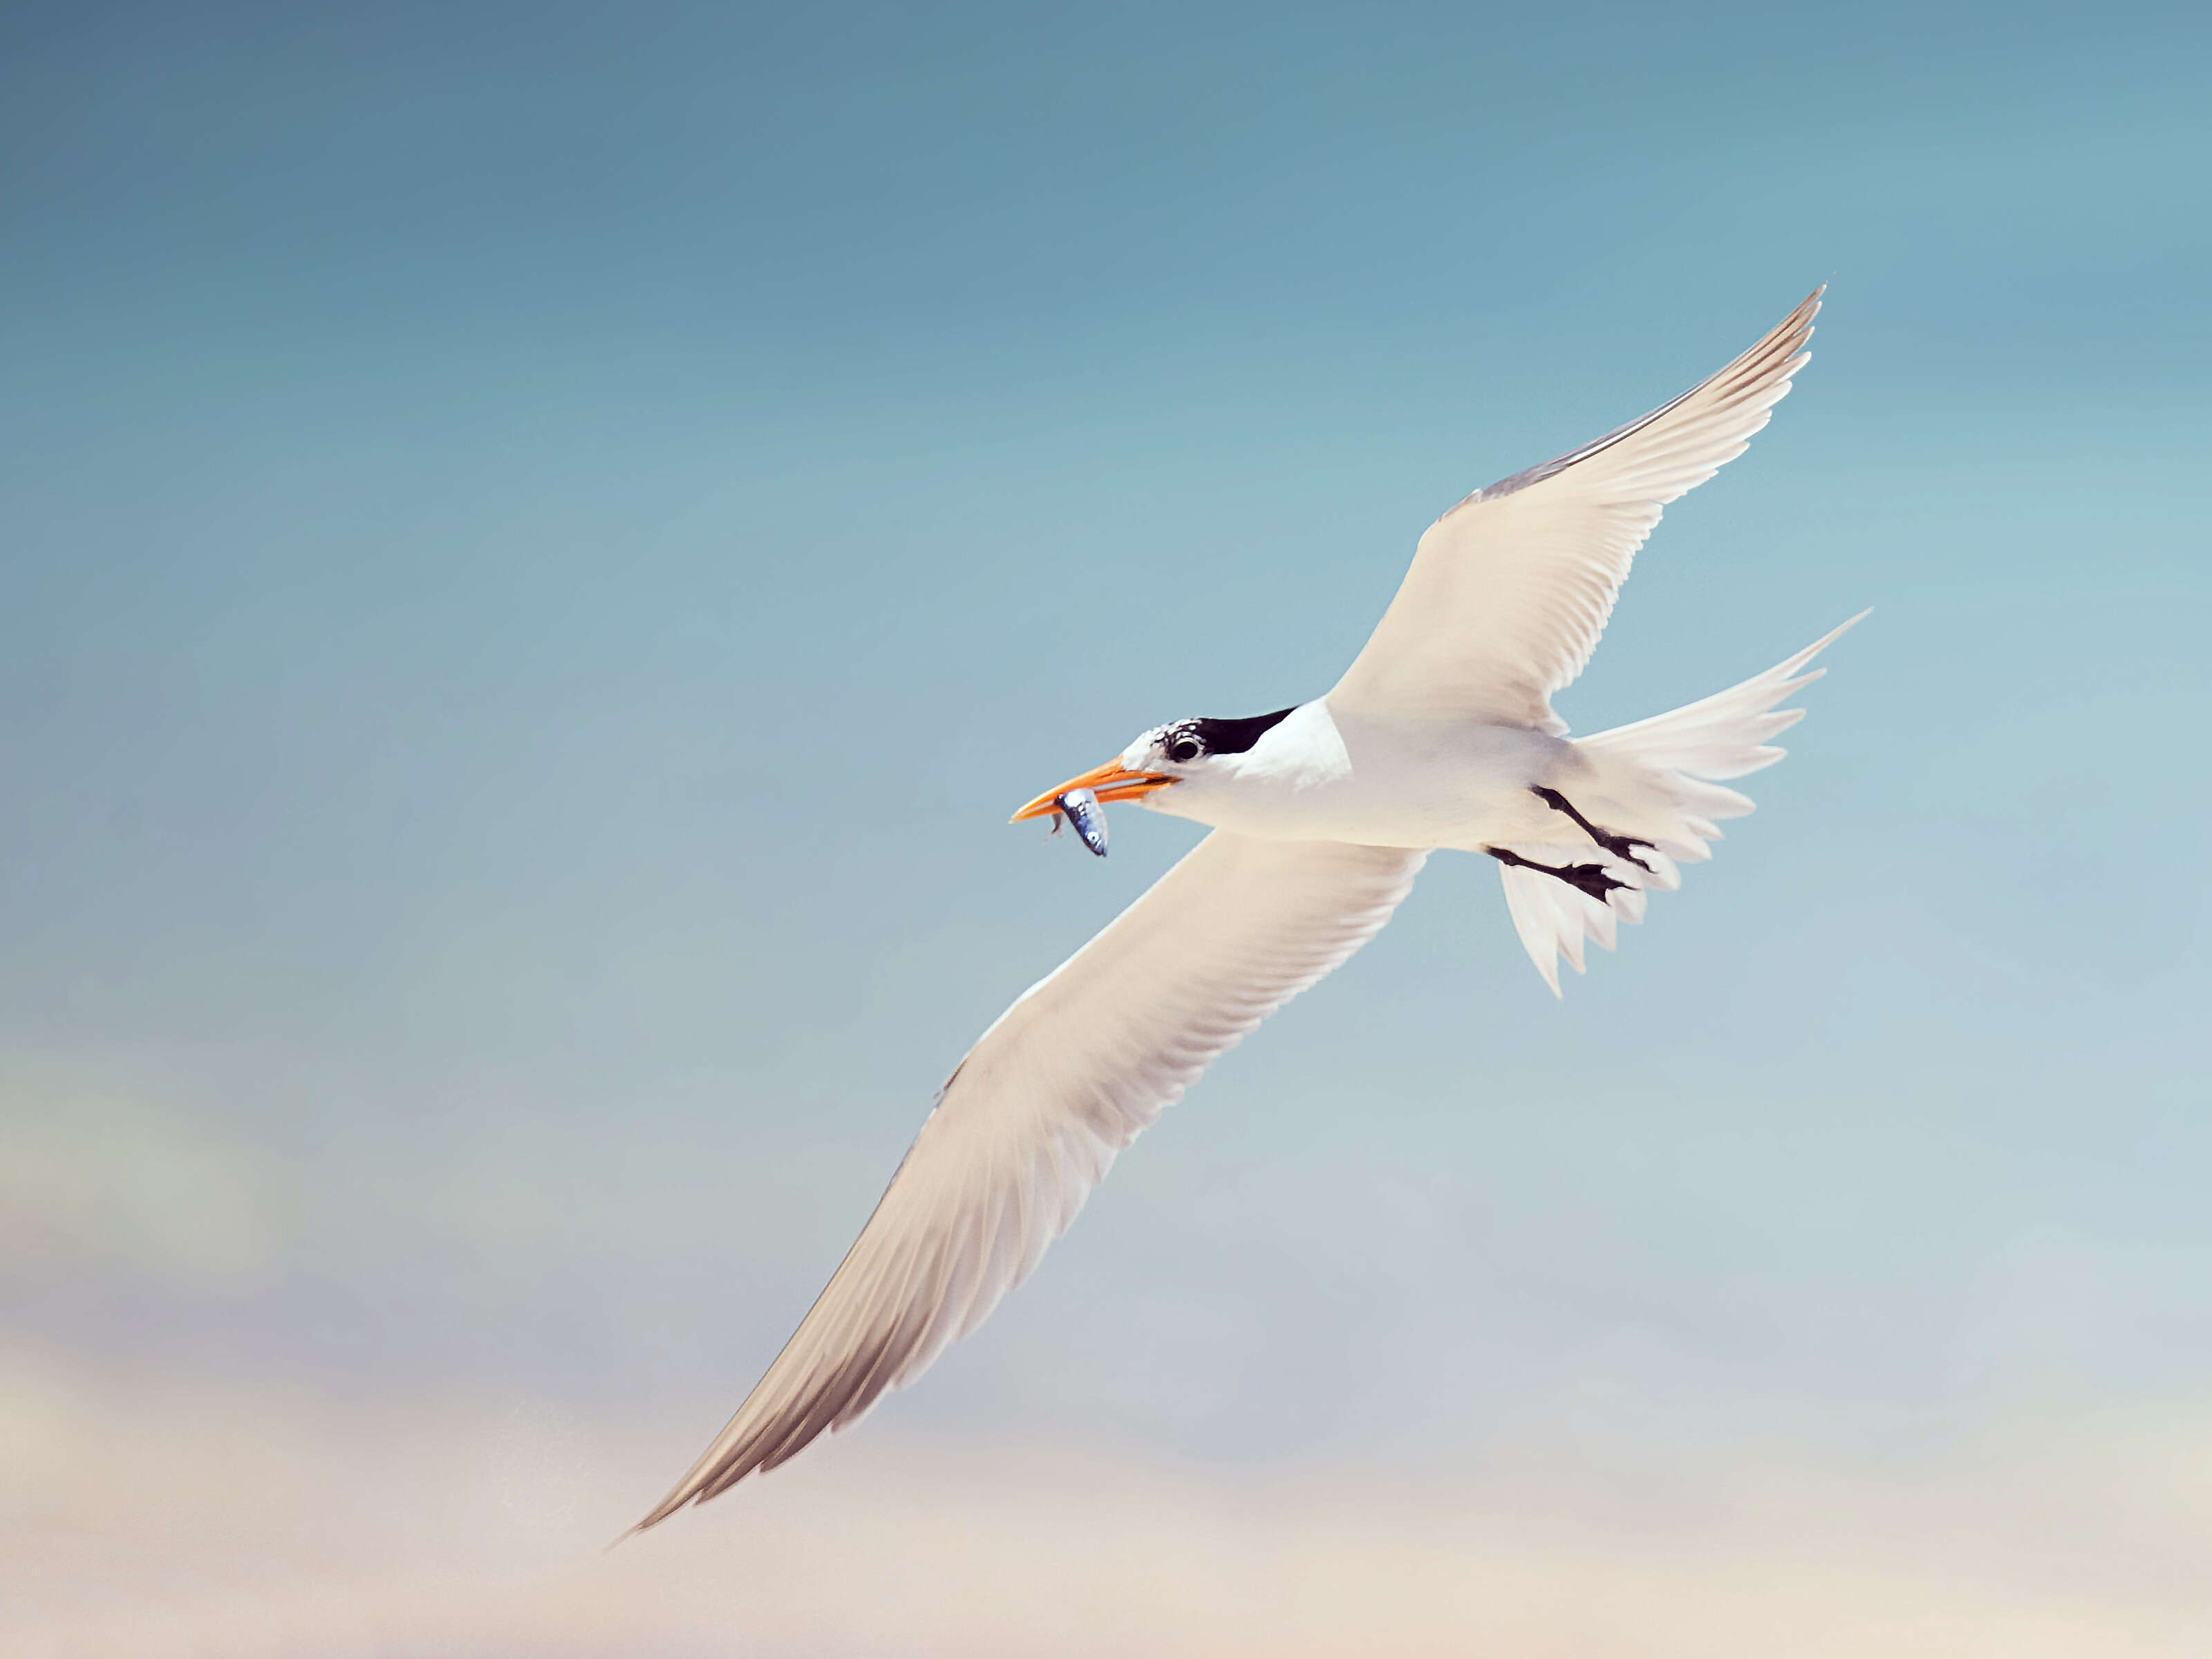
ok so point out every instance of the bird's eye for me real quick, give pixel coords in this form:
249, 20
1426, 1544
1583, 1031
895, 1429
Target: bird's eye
1184, 748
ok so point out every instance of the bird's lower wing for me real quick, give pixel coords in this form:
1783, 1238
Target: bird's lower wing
1031, 1120
1510, 591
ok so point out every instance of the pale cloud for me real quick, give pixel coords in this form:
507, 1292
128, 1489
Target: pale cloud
93, 1176
158, 1518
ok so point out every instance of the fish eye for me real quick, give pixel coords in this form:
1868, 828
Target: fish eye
1185, 747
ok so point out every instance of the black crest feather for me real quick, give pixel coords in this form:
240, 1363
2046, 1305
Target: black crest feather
1234, 737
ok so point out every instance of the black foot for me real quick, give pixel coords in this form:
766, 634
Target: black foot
1591, 878
1620, 846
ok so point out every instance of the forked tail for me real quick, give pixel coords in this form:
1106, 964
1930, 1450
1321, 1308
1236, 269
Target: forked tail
1655, 788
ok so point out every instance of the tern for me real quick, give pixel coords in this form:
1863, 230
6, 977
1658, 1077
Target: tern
1441, 735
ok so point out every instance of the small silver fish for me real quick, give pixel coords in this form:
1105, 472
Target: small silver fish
1080, 808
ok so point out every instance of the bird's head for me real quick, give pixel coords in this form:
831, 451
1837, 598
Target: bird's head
1188, 751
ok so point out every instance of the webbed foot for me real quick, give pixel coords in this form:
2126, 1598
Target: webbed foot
1590, 878
1621, 846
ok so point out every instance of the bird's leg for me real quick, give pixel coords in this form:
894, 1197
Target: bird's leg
1618, 846
1590, 878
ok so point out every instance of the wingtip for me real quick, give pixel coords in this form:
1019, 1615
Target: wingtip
661, 1511
1799, 323
1826, 640
1841, 628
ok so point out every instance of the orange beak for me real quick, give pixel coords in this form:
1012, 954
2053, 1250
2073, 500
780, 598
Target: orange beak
1112, 781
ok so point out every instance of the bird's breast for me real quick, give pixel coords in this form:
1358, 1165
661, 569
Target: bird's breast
1442, 784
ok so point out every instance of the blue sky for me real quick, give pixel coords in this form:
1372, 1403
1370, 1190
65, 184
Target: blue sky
538, 546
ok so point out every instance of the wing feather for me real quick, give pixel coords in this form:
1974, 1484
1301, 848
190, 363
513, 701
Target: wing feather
1510, 591
1031, 1120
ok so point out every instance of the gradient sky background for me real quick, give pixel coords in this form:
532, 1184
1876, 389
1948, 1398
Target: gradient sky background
539, 545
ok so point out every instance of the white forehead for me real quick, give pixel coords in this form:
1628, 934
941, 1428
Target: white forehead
1146, 745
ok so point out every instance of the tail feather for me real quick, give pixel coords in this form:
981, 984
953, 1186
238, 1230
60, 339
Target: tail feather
1553, 919
1657, 781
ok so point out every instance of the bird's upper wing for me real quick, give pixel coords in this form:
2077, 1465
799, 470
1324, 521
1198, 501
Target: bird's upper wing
1032, 1118
1511, 589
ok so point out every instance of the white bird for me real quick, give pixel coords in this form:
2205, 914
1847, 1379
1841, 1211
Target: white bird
1441, 734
